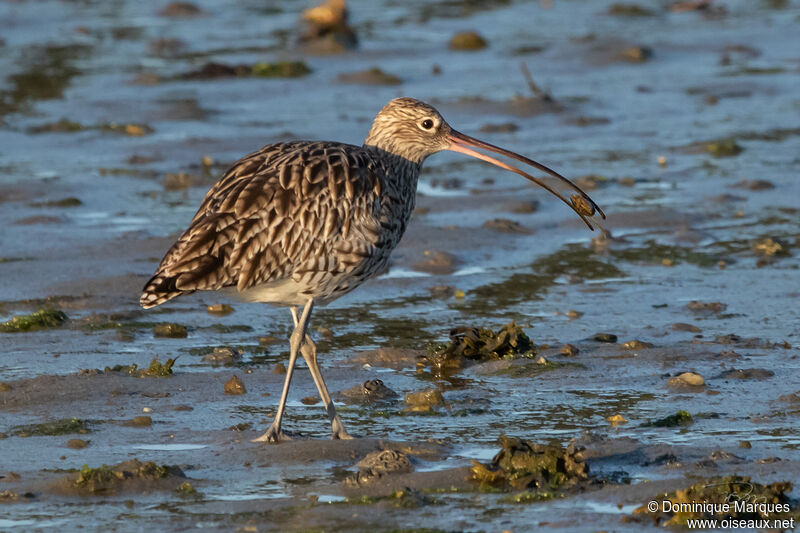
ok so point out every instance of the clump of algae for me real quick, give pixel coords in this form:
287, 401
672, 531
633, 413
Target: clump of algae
41, 319
65, 426
157, 369
480, 344
542, 471
104, 478
681, 418
723, 148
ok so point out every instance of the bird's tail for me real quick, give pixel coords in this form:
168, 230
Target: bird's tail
158, 290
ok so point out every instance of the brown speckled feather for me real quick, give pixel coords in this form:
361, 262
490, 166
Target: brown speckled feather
324, 215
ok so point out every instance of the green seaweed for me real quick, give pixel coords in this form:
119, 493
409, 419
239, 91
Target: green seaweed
104, 478
90, 476
542, 470
654, 252
157, 369
49, 70
723, 148
573, 260
170, 331
63, 125
64, 426
681, 418
186, 489
41, 319
479, 344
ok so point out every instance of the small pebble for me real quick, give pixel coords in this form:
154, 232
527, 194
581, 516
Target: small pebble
521, 207
573, 314
745, 444
706, 307
605, 337
637, 54
279, 368
570, 350
220, 309
687, 379
770, 247
234, 386
5, 387
425, 397
541, 360
468, 40
636, 345
139, 421
423, 401
505, 225
77, 444
436, 262
616, 420
147, 410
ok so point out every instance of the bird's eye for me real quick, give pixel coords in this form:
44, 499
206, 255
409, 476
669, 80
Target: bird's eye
426, 124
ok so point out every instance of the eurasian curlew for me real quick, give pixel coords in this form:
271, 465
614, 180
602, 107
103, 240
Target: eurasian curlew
302, 223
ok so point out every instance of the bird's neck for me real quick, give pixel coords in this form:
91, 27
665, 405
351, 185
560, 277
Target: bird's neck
394, 158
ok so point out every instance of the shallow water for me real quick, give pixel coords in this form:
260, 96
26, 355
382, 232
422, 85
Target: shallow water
710, 78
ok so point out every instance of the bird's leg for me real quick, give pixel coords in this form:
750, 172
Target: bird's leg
309, 351
274, 433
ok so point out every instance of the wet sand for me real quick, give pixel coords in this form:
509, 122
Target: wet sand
701, 267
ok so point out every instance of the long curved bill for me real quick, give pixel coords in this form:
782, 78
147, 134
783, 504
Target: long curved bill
579, 201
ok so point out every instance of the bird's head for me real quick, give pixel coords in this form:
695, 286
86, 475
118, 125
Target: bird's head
415, 130
409, 128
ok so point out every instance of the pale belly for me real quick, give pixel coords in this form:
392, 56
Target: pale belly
321, 286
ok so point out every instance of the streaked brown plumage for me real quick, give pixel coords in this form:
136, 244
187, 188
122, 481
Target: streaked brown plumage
302, 223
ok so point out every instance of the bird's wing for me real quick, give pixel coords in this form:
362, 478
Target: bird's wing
286, 209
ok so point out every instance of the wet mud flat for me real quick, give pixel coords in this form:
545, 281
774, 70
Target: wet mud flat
511, 371
200, 468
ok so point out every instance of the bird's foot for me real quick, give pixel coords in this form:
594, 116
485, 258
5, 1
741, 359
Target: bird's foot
338, 432
273, 435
